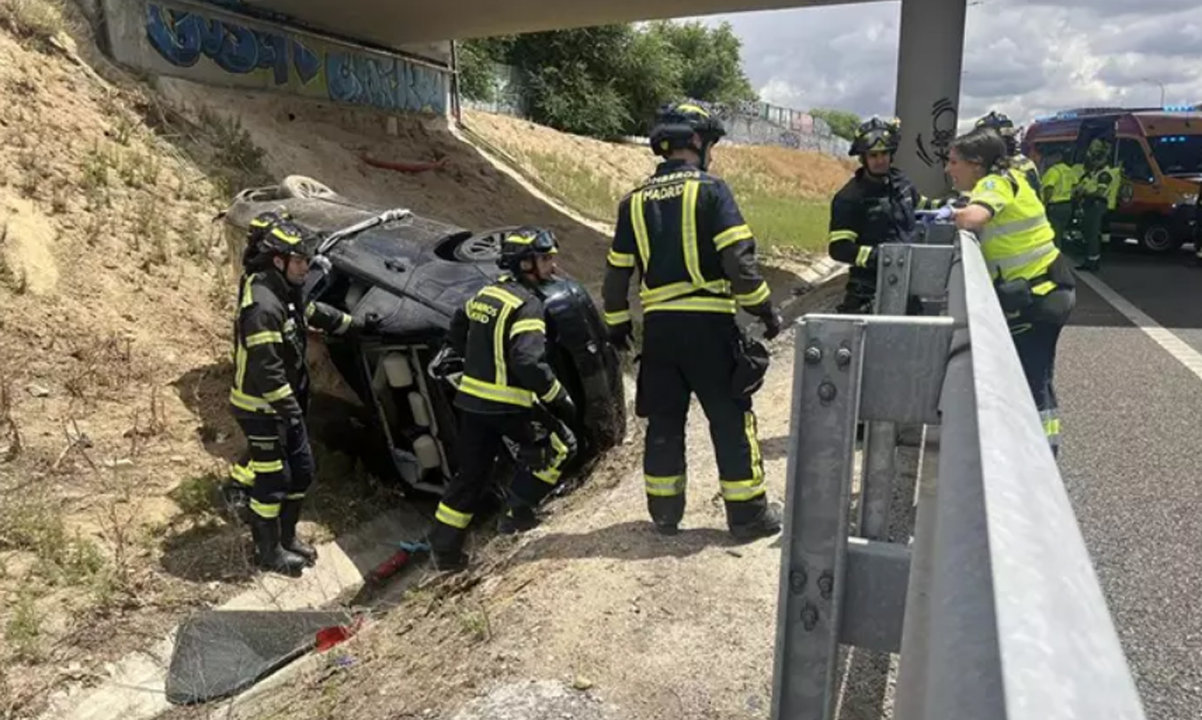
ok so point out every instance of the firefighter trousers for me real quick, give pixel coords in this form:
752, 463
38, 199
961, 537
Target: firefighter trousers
687, 353
542, 452
1060, 216
1093, 213
1036, 332
280, 465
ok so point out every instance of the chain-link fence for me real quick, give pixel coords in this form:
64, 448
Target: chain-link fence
748, 123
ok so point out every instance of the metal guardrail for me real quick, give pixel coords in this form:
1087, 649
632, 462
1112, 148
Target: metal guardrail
993, 604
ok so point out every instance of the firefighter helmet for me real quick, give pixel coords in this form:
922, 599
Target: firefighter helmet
876, 135
523, 244
675, 125
1002, 125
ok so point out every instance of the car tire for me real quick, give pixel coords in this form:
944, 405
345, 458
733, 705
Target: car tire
303, 186
1157, 237
483, 246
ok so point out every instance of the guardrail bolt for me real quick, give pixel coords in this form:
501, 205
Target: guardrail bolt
901, 261
826, 585
813, 355
888, 261
809, 617
843, 357
892, 279
827, 392
797, 581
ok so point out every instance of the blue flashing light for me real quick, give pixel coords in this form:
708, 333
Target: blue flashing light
1178, 108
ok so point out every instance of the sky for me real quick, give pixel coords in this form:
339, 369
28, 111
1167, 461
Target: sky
1022, 57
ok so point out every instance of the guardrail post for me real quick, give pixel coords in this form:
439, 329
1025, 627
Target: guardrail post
826, 390
880, 438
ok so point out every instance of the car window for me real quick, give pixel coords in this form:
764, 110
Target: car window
1178, 154
1134, 161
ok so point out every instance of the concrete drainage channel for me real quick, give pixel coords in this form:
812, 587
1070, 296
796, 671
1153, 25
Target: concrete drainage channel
135, 686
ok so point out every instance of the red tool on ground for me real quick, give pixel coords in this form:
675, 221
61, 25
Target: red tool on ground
398, 560
404, 166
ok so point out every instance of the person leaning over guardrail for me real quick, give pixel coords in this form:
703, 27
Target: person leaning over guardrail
1034, 281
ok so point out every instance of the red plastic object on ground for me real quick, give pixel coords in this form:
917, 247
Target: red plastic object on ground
331, 636
405, 167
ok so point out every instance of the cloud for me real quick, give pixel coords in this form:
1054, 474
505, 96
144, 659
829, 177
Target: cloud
1022, 57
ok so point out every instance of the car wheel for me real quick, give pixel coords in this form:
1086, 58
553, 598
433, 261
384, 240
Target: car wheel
481, 247
302, 186
1158, 238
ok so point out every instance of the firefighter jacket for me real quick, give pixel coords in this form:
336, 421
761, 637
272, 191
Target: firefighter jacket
1030, 171
867, 212
270, 338
683, 231
501, 335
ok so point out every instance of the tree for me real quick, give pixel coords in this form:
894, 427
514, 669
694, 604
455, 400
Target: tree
842, 122
476, 80
712, 69
608, 81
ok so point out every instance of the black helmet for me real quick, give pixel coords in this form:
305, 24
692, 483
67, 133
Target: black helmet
1002, 125
525, 243
273, 234
675, 125
876, 135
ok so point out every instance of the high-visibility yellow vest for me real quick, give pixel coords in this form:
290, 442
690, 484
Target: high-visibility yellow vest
1061, 178
1017, 241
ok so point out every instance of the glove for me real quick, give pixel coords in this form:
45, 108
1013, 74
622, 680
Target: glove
563, 408
772, 324
620, 336
946, 212
445, 363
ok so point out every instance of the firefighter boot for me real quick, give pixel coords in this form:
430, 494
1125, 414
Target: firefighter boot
268, 553
290, 512
767, 523
446, 548
517, 519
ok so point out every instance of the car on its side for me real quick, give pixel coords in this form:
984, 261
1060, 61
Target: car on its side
413, 273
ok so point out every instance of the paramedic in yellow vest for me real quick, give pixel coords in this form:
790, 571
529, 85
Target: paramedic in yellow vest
1034, 281
1098, 191
1058, 182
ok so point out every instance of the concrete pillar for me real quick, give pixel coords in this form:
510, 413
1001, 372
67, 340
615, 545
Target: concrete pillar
928, 87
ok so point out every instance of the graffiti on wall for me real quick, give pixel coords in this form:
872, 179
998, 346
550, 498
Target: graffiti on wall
184, 37
933, 150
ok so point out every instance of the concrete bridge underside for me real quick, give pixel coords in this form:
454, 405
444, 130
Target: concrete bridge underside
929, 60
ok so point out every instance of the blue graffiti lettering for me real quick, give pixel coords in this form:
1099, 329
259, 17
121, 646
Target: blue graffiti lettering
177, 40
362, 80
307, 62
181, 37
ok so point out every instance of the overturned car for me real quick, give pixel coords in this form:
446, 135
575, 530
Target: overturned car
414, 273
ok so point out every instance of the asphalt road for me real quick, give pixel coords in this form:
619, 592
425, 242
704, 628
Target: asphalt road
1132, 461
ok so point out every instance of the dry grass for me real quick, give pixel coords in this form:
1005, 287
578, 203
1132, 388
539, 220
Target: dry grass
37, 20
784, 193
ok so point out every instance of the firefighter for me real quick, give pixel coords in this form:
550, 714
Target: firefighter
1004, 126
508, 391
1058, 182
270, 392
1097, 191
683, 232
876, 206
1034, 281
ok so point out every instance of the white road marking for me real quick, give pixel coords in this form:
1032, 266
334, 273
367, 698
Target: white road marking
1172, 344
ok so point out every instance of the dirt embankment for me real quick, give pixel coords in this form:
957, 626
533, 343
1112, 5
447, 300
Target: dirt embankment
114, 316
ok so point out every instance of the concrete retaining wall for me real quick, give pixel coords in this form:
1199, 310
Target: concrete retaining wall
208, 44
